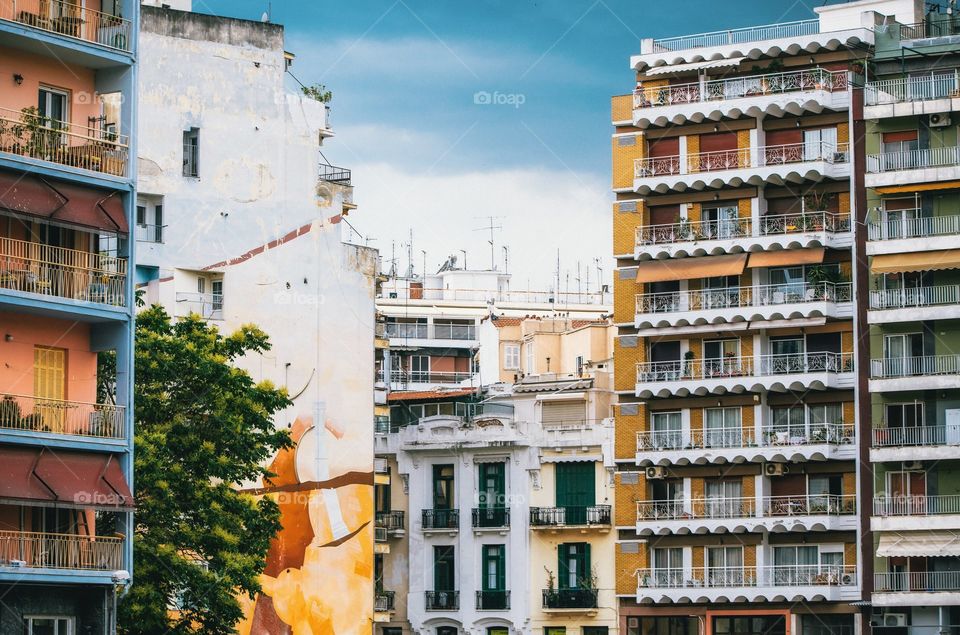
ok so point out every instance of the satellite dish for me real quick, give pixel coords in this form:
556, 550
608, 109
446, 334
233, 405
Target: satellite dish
265, 17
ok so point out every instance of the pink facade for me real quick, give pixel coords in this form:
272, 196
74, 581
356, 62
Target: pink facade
78, 82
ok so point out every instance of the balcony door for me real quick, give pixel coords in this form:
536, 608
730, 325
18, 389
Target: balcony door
53, 105
444, 569
724, 566
574, 565
787, 354
900, 217
575, 490
901, 150
492, 496
443, 496
722, 428
795, 565
905, 425
819, 145
721, 357
907, 492
666, 361
494, 582
420, 368
667, 431
668, 566
721, 292
724, 498
722, 222
49, 386
903, 354
667, 497
787, 284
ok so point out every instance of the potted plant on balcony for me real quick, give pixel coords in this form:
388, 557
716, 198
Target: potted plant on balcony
551, 600
688, 363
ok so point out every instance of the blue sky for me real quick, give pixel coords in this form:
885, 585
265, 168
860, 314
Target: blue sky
425, 156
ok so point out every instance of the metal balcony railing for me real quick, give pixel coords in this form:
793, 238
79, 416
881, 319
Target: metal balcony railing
583, 598
64, 273
441, 331
334, 174
440, 519
60, 551
497, 600
916, 227
58, 416
424, 377
391, 521
916, 581
149, 233
381, 425
746, 86
71, 20
716, 368
767, 576
945, 294
738, 36
380, 465
742, 297
928, 29
771, 225
738, 437
895, 91
740, 158
570, 516
206, 305
746, 507
383, 601
916, 505
913, 159
909, 436
923, 366
442, 600
380, 534
491, 517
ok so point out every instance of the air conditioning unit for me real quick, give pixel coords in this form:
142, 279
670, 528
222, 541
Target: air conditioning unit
776, 469
847, 579
895, 619
656, 472
913, 466
939, 121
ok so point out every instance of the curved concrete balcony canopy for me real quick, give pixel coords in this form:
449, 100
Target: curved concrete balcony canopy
775, 165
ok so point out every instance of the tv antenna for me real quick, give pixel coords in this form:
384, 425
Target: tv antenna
491, 227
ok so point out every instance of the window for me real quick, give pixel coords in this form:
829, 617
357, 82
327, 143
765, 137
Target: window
419, 368
668, 566
724, 498
149, 222
595, 630
900, 150
498, 630
444, 570
721, 222
391, 630
48, 625
492, 492
722, 428
49, 385
819, 144
721, 357
494, 568
903, 354
554, 630
201, 285
191, 152
217, 300
579, 364
663, 625
563, 412
141, 215
531, 367
725, 566
511, 357
53, 106
443, 487
667, 431
574, 565
576, 490
447, 630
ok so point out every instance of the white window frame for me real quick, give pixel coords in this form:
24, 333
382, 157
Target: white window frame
511, 356
531, 363
71, 623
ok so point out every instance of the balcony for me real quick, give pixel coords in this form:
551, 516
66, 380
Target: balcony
493, 600
759, 303
913, 231
434, 520
775, 94
380, 534
738, 36
941, 302
558, 518
146, 233
23, 551
383, 601
30, 419
747, 584
911, 96
403, 379
919, 588
928, 372
913, 166
333, 174
820, 512
71, 20
743, 235
442, 600
915, 443
393, 522
815, 370
71, 274
29, 135
745, 166
782, 444
432, 331
208, 306
569, 600
491, 518
905, 513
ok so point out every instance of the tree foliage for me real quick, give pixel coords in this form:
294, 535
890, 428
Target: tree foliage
203, 427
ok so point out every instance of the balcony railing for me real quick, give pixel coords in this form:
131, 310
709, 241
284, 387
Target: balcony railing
58, 416
493, 600
65, 273
927, 365
38, 137
412, 330
772, 225
740, 158
916, 581
206, 305
916, 505
738, 36
746, 507
767, 576
391, 521
583, 598
912, 436
442, 600
440, 519
383, 601
570, 516
928, 29
149, 233
917, 227
381, 425
380, 534
491, 517
334, 174
381, 465
60, 551
71, 20
737, 437
741, 297
717, 368
424, 377
895, 91
940, 295
913, 159
747, 86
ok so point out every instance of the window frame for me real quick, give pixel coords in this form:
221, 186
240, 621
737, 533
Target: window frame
511, 356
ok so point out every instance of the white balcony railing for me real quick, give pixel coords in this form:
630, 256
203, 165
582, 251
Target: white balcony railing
765, 156
747, 86
904, 89
946, 294
772, 225
739, 437
31, 135
71, 20
916, 505
914, 227
913, 159
737, 36
916, 581
416, 330
910, 436
149, 233
60, 551
785, 364
742, 297
57, 416
206, 305
425, 377
66, 273
747, 507
768, 576
927, 365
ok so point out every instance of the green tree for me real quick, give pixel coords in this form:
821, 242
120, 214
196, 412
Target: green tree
203, 427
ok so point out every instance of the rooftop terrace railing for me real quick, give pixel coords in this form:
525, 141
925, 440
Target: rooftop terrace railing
737, 36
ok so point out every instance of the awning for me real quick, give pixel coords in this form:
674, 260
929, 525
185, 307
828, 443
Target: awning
693, 66
411, 395
919, 544
690, 268
925, 187
553, 386
33, 476
916, 261
87, 207
786, 258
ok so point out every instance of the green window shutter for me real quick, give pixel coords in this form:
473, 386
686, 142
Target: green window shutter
575, 490
585, 571
492, 485
563, 566
502, 568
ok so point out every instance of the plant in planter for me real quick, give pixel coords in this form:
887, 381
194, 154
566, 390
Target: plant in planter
318, 92
688, 363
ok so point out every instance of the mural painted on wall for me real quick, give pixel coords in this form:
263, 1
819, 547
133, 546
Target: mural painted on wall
319, 573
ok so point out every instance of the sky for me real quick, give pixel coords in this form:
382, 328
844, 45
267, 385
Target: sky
449, 112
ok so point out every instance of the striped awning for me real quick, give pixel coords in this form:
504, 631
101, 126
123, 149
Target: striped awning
690, 268
916, 261
919, 544
693, 66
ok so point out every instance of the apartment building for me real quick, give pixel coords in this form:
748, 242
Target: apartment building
68, 113
911, 106
463, 513
238, 220
742, 499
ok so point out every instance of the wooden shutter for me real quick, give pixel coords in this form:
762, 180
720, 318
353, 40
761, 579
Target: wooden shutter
49, 372
576, 486
557, 412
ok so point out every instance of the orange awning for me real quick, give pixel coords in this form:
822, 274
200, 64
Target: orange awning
917, 261
786, 258
925, 187
690, 268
